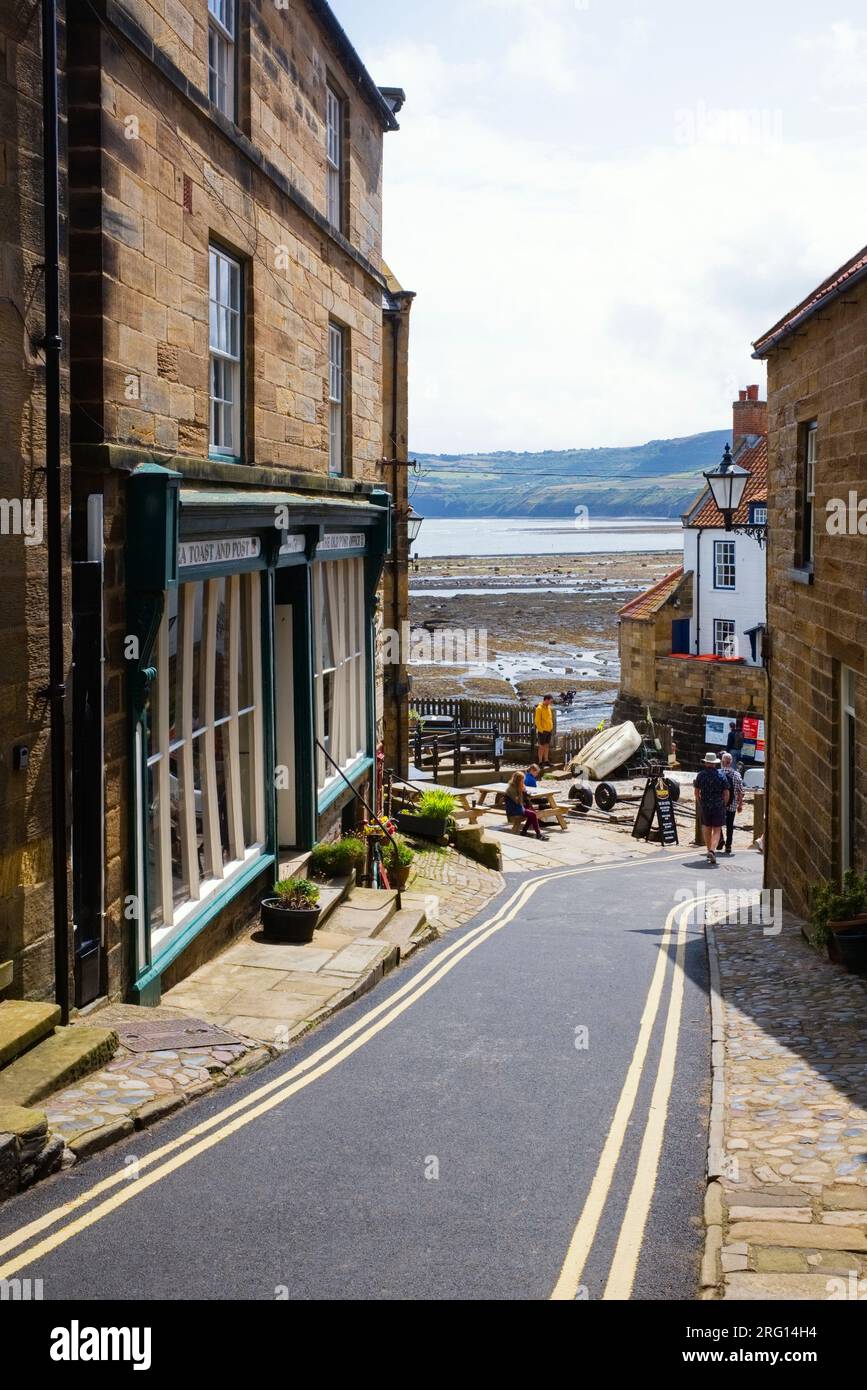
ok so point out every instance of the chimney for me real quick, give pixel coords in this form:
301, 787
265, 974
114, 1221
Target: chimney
749, 415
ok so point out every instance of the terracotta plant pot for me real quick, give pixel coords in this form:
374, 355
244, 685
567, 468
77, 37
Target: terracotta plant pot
398, 877
290, 924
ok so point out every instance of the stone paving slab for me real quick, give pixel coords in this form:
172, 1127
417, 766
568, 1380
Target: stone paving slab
791, 1109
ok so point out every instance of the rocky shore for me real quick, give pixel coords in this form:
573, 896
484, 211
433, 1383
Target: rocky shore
538, 623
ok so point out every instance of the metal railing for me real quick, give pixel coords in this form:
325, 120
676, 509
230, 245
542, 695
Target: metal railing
378, 820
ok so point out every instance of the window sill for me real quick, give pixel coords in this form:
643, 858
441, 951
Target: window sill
354, 773
175, 942
801, 574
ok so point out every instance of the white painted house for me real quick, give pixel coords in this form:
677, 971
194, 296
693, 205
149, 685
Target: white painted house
728, 567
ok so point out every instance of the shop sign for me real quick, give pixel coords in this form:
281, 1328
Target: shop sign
342, 540
291, 544
226, 550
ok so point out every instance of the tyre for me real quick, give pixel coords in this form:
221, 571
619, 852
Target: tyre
606, 796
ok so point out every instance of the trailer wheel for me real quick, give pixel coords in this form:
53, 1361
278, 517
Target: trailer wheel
583, 795
606, 796
673, 788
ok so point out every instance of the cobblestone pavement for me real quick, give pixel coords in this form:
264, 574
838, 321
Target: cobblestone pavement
136, 1089
791, 1204
455, 887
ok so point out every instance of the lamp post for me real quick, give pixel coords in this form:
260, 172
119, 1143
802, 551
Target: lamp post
727, 483
413, 524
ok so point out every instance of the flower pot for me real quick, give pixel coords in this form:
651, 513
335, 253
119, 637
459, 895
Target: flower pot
293, 924
398, 877
847, 942
425, 827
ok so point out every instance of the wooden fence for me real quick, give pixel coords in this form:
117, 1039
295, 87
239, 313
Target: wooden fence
510, 719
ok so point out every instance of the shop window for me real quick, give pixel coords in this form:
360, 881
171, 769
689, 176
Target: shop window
221, 55
225, 335
340, 672
848, 768
206, 782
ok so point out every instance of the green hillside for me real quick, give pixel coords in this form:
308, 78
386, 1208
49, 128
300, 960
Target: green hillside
659, 478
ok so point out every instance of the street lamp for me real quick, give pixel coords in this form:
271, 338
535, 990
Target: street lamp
413, 524
727, 483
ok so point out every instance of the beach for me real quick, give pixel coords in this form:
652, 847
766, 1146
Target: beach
538, 622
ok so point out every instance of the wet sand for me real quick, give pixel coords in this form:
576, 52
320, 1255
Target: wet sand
550, 623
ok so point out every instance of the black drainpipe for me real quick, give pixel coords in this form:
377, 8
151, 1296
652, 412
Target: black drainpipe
396, 523
698, 593
53, 345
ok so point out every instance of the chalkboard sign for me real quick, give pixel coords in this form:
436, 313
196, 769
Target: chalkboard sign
656, 805
665, 821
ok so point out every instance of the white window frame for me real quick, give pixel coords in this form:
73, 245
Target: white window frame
724, 645
221, 55
339, 586
724, 565
205, 871
809, 530
334, 105
336, 397
225, 337
759, 514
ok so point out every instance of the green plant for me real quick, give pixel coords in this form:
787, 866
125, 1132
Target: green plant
397, 854
435, 804
830, 904
297, 894
337, 858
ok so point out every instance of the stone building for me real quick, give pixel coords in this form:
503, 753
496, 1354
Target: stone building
817, 583
230, 511
27, 938
691, 646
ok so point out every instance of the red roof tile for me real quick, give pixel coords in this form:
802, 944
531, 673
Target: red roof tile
755, 458
807, 307
645, 606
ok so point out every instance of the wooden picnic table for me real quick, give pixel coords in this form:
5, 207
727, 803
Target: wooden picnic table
465, 807
542, 799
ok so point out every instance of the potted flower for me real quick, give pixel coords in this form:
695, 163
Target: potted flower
838, 920
337, 858
430, 817
292, 914
397, 858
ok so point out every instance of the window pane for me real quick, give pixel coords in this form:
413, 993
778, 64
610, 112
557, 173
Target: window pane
221, 743
180, 886
198, 781
246, 733
174, 671
221, 681
245, 647
155, 902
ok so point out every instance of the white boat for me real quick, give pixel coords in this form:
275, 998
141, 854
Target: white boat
607, 751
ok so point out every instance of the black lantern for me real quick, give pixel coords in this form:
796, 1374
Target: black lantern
727, 483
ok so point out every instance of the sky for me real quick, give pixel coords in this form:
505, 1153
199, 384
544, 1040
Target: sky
601, 203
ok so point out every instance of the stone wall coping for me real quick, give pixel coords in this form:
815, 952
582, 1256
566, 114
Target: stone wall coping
126, 458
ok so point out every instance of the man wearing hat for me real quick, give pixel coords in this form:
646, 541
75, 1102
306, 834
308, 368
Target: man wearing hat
712, 796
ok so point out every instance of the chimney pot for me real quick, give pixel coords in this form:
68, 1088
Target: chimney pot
750, 416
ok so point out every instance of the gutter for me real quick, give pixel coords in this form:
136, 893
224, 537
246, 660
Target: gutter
764, 346
53, 346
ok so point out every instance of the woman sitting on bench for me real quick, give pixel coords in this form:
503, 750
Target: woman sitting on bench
518, 807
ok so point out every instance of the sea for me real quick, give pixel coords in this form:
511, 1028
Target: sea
545, 536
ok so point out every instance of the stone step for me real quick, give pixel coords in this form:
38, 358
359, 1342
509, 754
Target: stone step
57, 1061
365, 912
22, 1025
409, 929
332, 894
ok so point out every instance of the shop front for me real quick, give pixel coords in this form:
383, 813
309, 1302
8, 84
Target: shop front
251, 692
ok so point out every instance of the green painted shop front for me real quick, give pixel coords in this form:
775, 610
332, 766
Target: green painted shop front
251, 692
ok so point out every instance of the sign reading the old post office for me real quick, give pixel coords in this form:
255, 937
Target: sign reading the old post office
226, 550
342, 540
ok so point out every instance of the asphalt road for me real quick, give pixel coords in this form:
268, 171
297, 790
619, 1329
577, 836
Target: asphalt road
441, 1138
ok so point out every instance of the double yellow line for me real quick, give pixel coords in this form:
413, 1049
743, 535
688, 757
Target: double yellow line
624, 1266
71, 1219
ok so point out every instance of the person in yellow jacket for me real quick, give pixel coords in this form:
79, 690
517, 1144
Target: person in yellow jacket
543, 719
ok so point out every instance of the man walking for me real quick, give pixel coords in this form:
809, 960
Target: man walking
736, 799
544, 722
711, 796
